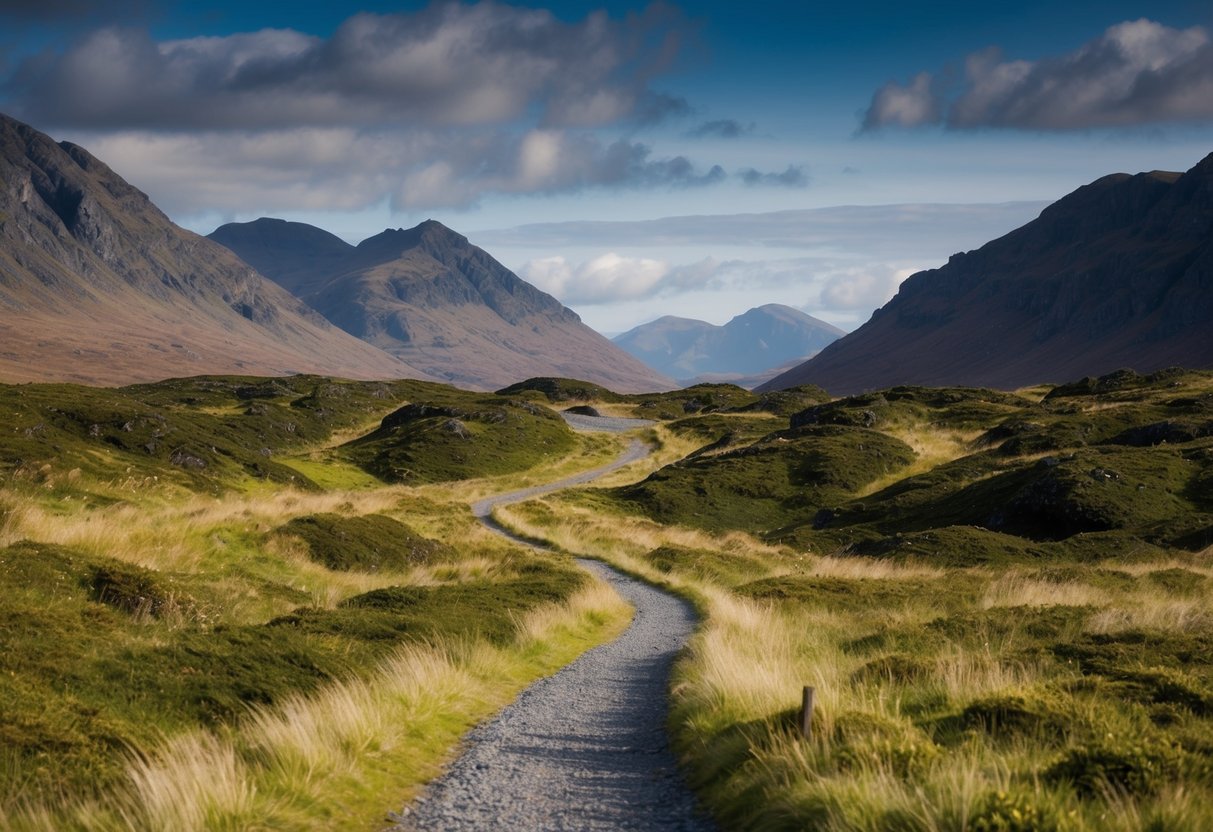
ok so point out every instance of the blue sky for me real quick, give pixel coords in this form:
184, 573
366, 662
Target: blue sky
577, 141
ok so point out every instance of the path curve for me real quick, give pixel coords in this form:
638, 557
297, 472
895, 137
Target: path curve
586, 748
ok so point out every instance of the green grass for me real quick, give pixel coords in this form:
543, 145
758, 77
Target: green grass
187, 559
461, 437
370, 542
1013, 636
770, 482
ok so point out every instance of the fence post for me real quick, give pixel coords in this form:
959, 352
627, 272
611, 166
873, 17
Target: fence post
806, 713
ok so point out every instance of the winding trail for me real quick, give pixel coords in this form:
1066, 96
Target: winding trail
586, 748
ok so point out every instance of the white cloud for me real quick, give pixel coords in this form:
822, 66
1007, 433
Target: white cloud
863, 287
612, 278
1136, 72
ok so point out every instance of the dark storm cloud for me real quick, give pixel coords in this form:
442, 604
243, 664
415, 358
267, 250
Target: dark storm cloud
450, 64
724, 128
793, 177
1138, 72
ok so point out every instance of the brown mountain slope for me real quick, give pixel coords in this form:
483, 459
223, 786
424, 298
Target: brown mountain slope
439, 303
1117, 274
98, 286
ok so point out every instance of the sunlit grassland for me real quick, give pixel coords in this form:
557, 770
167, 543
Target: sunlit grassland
345, 754
1023, 697
313, 708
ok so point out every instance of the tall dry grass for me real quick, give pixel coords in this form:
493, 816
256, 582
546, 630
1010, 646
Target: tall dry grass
349, 752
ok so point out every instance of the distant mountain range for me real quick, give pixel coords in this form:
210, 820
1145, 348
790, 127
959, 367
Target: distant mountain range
1117, 274
756, 342
435, 301
98, 286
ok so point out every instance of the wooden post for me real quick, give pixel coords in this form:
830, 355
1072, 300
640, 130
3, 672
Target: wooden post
806, 713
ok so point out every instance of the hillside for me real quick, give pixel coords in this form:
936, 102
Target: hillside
437, 302
1117, 274
98, 286
761, 339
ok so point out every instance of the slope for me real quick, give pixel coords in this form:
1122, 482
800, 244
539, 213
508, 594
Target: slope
439, 303
1117, 274
98, 286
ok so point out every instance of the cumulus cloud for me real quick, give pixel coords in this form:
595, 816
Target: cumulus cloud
904, 106
865, 287
725, 128
793, 177
449, 64
1137, 72
612, 278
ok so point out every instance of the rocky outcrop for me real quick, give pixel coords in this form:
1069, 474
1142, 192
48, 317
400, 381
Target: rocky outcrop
1117, 274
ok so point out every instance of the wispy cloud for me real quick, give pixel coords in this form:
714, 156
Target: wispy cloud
793, 177
887, 232
724, 128
1137, 72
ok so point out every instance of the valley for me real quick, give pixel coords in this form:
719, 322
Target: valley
237, 600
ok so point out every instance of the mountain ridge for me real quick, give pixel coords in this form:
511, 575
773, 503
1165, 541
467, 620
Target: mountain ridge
101, 287
436, 301
1118, 273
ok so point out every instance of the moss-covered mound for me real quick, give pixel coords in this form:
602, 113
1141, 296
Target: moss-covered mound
483, 608
718, 431
788, 401
944, 406
369, 543
207, 431
558, 390
460, 437
699, 398
1119, 381
764, 485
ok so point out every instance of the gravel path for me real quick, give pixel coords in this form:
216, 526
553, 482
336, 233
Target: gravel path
483, 508
586, 748
611, 424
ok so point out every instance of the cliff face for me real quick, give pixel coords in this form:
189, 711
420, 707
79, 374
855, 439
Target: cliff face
439, 303
99, 286
1117, 274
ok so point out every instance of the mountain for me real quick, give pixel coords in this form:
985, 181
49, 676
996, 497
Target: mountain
98, 286
1117, 274
758, 340
437, 302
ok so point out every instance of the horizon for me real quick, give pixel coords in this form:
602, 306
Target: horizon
601, 150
